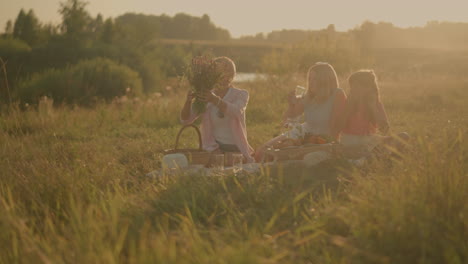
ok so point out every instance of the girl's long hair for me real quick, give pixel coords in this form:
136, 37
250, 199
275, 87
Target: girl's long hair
363, 94
325, 80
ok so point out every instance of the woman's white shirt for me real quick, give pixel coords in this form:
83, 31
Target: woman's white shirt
222, 130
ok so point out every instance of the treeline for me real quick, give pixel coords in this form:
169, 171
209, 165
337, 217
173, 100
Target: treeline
434, 34
146, 50
30, 48
78, 24
437, 48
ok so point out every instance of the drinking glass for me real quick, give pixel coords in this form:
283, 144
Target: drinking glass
237, 163
300, 91
218, 162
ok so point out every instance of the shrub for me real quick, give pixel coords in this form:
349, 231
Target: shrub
14, 53
11, 46
82, 83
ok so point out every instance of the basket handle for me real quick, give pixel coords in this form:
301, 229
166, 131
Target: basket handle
200, 147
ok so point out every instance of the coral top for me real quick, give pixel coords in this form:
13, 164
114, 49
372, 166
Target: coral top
359, 124
236, 101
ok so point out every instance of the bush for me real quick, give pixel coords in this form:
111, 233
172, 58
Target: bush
83, 83
11, 46
14, 53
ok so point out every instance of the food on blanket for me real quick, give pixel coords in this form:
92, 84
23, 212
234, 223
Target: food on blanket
315, 139
289, 142
308, 139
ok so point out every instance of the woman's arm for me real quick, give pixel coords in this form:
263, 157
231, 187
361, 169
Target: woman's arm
338, 117
186, 115
295, 107
234, 109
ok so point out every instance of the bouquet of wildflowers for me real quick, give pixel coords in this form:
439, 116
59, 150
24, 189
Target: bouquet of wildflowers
202, 76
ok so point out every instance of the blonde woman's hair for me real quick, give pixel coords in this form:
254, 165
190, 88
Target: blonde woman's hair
325, 81
228, 67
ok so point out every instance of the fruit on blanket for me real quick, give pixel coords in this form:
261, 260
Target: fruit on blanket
320, 140
314, 139
289, 143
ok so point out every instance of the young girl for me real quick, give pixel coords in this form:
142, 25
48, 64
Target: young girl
321, 105
364, 114
223, 122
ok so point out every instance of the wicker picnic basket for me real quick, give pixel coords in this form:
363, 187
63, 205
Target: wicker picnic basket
194, 156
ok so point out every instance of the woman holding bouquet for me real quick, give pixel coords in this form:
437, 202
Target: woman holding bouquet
223, 113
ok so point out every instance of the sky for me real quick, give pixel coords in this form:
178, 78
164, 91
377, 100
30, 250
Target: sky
248, 17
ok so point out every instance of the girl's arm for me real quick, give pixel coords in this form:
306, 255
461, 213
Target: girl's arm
380, 116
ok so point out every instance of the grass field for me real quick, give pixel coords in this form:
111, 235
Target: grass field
73, 190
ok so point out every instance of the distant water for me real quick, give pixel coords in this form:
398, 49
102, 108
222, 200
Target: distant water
248, 77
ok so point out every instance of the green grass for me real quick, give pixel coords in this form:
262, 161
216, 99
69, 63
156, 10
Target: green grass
73, 190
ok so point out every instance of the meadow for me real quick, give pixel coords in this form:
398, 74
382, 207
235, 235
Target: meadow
73, 187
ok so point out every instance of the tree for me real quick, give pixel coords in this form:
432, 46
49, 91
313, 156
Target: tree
97, 24
19, 24
205, 29
27, 27
259, 36
8, 28
75, 19
365, 35
181, 26
137, 29
108, 31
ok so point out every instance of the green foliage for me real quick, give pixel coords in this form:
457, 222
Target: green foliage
396, 218
27, 27
13, 47
140, 29
14, 53
137, 29
83, 83
108, 31
158, 47
75, 19
8, 28
130, 39
73, 190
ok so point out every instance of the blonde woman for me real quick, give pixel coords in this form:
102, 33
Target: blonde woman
223, 122
323, 102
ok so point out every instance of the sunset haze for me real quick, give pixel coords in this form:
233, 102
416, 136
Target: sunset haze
250, 17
